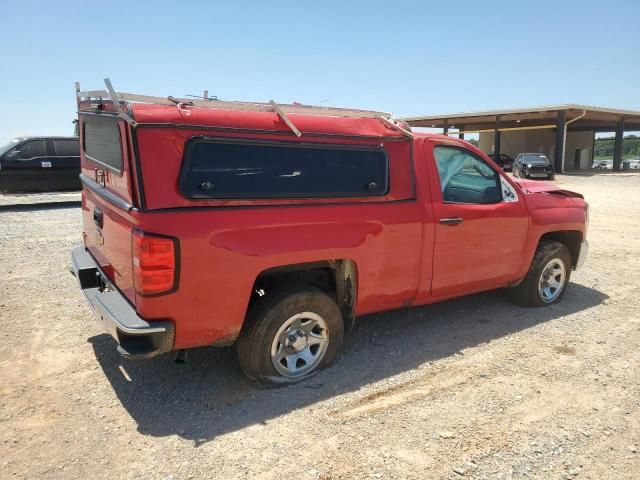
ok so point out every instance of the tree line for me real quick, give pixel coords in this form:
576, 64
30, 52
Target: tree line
603, 148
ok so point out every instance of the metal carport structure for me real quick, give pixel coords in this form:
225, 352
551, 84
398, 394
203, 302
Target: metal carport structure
558, 118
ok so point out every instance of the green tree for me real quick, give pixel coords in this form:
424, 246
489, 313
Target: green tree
603, 148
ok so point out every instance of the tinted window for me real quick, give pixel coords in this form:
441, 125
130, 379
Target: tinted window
535, 158
465, 178
32, 148
67, 147
8, 146
102, 141
232, 169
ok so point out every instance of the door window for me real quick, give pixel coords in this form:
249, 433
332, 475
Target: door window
67, 147
32, 149
466, 178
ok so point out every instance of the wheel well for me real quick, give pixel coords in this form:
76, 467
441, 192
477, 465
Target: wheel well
337, 278
570, 238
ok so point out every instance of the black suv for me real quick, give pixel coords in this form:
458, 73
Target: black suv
40, 164
533, 165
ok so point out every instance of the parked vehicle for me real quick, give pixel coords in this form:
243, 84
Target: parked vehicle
603, 164
631, 165
533, 165
504, 161
209, 223
40, 164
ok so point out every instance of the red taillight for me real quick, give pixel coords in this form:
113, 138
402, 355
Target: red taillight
155, 269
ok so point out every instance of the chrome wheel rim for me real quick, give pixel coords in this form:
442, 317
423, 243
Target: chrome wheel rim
552, 280
300, 344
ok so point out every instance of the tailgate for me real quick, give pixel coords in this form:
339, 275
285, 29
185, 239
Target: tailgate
108, 196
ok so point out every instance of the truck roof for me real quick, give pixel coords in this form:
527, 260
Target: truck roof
302, 120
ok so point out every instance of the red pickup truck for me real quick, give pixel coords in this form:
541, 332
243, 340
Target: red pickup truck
209, 223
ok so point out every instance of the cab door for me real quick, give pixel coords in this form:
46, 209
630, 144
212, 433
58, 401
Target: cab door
26, 167
65, 167
481, 223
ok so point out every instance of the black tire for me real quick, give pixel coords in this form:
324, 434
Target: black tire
527, 292
265, 319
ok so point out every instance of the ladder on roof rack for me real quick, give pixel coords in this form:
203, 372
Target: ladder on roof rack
282, 110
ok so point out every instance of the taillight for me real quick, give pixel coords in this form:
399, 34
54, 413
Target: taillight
155, 263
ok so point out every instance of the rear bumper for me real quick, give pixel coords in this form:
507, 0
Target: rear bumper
137, 338
582, 256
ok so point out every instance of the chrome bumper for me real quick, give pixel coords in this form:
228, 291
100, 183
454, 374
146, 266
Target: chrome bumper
136, 337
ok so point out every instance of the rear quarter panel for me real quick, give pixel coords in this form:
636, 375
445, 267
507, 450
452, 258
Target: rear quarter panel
223, 250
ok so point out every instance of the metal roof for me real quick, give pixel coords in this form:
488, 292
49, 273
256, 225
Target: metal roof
577, 117
510, 111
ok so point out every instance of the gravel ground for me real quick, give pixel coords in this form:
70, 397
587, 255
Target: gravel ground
470, 388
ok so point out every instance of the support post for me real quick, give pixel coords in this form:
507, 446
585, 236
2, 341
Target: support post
617, 146
445, 129
561, 131
496, 138
461, 135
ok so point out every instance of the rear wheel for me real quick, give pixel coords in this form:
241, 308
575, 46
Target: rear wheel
290, 337
548, 276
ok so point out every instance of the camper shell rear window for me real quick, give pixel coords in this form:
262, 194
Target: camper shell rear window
101, 141
248, 169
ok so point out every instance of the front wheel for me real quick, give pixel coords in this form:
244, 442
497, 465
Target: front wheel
548, 276
290, 337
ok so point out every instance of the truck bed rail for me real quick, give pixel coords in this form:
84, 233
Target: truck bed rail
97, 97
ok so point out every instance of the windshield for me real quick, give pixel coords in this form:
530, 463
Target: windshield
8, 146
535, 158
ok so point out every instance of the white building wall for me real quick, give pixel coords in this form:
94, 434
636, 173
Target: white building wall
582, 141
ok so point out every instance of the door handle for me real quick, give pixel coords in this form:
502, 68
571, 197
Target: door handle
452, 222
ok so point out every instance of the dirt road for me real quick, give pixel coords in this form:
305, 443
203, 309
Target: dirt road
471, 388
